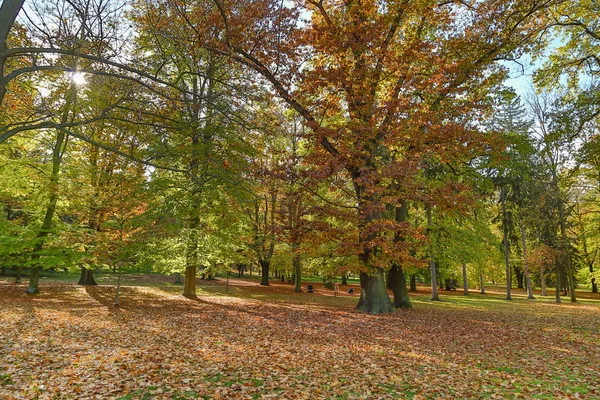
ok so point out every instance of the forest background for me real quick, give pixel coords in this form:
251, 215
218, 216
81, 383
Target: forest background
378, 140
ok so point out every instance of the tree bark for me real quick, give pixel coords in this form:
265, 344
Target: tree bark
374, 297
345, 278
432, 271
8, 14
590, 260
519, 276
191, 256
87, 277
413, 283
481, 283
398, 284
264, 265
465, 281
397, 280
189, 284
565, 244
297, 272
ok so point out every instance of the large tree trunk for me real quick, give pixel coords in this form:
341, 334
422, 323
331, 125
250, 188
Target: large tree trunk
345, 278
505, 242
189, 284
374, 297
398, 284
87, 277
264, 265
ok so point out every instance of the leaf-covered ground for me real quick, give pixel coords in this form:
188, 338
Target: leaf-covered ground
267, 342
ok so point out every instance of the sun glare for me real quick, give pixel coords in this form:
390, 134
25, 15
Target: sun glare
79, 78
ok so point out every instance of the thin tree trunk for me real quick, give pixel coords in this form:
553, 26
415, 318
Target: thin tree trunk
526, 264
413, 283
505, 240
345, 278
557, 269
118, 291
567, 252
44, 231
588, 259
57, 154
434, 291
297, 271
543, 280
465, 281
191, 256
481, 283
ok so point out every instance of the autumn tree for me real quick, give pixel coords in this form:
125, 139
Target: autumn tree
379, 86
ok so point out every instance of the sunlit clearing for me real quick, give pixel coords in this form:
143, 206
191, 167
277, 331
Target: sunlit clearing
79, 78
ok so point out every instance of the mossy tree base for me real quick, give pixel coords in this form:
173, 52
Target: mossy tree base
374, 298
